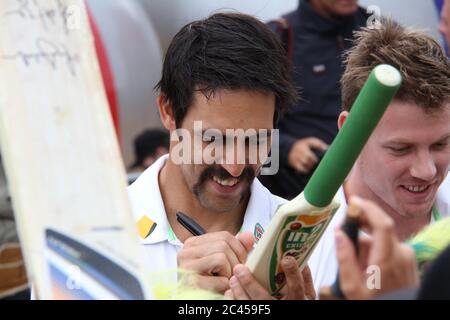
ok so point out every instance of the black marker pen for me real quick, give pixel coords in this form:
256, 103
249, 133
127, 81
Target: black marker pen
190, 224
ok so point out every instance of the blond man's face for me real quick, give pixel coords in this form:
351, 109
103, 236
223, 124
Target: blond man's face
407, 158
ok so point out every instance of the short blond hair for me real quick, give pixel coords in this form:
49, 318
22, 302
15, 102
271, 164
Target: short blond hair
421, 60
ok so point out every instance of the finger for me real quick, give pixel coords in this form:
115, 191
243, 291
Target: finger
215, 264
307, 162
364, 248
223, 236
371, 215
381, 227
350, 275
310, 292
210, 283
317, 143
209, 249
310, 159
300, 167
294, 279
239, 292
247, 239
249, 284
228, 295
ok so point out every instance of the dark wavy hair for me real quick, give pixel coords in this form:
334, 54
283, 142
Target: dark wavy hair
225, 51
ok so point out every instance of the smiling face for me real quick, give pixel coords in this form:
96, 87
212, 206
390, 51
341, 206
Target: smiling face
406, 159
223, 185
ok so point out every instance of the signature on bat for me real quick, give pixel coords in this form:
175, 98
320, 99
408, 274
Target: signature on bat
47, 52
33, 10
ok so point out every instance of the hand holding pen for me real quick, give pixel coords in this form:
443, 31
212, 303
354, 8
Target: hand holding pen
212, 255
240, 283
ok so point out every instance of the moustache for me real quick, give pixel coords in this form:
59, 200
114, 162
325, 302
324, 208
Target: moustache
247, 174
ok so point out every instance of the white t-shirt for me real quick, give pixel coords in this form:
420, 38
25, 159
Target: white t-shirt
161, 245
323, 261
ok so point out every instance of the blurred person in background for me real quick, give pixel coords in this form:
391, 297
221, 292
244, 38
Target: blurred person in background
149, 145
444, 25
315, 37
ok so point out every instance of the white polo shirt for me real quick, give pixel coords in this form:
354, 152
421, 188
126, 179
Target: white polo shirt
160, 243
323, 262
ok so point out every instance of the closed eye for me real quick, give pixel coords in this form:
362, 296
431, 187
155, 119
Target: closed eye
398, 150
440, 146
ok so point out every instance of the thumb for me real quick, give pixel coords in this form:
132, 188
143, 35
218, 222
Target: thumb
317, 143
247, 240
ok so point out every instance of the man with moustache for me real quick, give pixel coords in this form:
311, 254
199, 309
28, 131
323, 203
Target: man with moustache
228, 71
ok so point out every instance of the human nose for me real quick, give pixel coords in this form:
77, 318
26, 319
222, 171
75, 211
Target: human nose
234, 162
424, 167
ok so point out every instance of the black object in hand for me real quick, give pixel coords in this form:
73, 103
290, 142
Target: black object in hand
189, 224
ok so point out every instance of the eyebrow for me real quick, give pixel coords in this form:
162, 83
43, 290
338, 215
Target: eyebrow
399, 141
445, 137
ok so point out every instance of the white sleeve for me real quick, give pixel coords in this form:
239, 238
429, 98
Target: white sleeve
323, 262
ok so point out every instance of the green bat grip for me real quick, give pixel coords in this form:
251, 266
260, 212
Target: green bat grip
373, 99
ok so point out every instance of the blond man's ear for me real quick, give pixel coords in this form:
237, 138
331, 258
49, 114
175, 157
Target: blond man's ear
341, 120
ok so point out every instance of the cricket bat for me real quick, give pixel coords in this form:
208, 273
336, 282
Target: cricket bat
62, 158
298, 225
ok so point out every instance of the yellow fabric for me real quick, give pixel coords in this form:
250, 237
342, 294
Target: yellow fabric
145, 226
